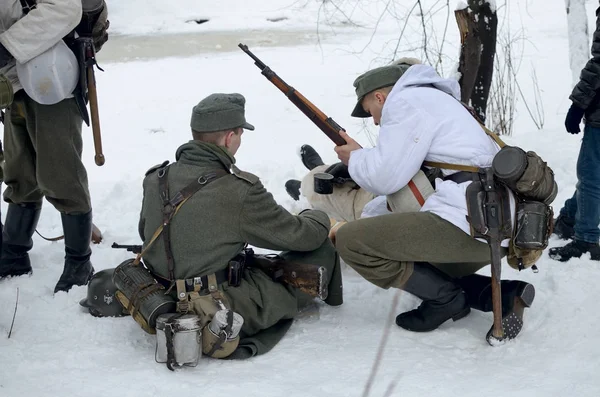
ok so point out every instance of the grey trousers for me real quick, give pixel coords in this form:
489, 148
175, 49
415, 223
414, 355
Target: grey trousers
384, 249
42, 154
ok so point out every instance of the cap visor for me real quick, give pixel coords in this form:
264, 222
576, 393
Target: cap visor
359, 111
248, 126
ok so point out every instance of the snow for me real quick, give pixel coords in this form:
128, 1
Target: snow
146, 93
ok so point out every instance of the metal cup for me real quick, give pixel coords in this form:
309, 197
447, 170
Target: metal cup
323, 183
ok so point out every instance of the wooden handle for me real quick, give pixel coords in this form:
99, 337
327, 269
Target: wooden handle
93, 97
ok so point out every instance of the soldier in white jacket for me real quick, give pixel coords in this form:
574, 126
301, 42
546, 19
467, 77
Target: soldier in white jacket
43, 142
430, 253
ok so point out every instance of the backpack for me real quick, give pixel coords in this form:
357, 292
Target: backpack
532, 182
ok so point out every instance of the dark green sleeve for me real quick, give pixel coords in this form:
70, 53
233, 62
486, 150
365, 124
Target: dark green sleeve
265, 224
589, 81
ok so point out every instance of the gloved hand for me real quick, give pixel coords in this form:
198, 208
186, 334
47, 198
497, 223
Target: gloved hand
99, 34
94, 24
5, 56
340, 173
338, 170
573, 119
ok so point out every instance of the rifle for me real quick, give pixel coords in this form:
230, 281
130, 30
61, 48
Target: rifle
321, 120
136, 249
494, 235
86, 55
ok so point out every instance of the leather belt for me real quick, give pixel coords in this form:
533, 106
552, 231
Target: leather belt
201, 281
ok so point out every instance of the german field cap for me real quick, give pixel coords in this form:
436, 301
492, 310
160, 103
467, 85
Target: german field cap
375, 79
220, 112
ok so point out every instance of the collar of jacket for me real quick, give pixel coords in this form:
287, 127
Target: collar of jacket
203, 153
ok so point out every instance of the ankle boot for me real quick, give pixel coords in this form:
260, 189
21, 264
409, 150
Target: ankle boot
443, 299
310, 157
516, 296
78, 269
19, 226
575, 249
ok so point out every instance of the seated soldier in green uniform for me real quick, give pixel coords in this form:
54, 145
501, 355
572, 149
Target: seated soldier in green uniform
216, 223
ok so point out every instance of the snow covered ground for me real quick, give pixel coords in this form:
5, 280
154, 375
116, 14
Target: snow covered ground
150, 83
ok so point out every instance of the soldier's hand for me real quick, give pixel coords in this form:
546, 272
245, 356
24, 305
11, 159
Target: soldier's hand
100, 27
344, 151
334, 229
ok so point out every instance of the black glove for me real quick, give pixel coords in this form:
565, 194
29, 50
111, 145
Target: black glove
338, 170
95, 24
574, 116
340, 173
5, 56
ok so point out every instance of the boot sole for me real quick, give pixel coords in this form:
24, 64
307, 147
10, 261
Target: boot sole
512, 323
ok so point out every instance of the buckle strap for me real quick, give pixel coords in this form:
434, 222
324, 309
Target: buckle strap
461, 176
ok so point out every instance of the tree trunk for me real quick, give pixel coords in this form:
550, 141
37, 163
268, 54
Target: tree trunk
579, 48
478, 24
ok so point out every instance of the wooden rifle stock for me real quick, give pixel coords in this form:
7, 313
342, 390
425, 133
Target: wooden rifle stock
320, 119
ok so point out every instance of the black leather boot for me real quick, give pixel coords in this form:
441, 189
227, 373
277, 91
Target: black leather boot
443, 299
310, 157
19, 226
78, 268
516, 296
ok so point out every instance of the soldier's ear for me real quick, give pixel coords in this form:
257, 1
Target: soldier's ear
229, 138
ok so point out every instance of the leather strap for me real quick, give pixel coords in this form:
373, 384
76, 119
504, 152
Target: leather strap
415, 191
169, 205
172, 206
167, 211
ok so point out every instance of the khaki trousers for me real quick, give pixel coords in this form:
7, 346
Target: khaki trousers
42, 154
385, 249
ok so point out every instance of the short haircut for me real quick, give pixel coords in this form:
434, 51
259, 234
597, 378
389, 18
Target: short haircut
215, 136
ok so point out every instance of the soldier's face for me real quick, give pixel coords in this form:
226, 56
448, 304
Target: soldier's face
373, 104
233, 140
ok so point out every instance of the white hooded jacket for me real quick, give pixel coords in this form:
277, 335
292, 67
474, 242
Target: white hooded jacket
26, 37
422, 119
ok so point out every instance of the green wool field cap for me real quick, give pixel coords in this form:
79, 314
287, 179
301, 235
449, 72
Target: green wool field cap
6, 92
375, 79
220, 112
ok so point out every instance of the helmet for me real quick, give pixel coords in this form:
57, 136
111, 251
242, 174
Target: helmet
51, 76
101, 300
6, 92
